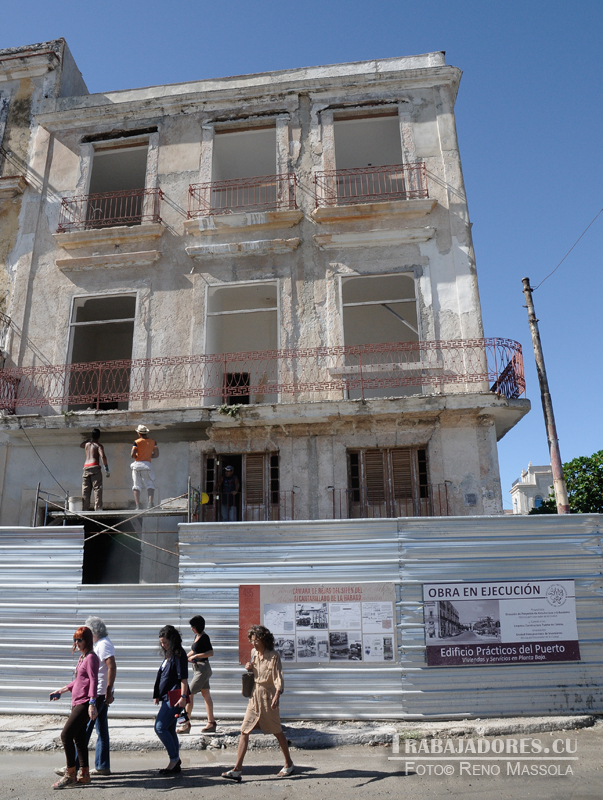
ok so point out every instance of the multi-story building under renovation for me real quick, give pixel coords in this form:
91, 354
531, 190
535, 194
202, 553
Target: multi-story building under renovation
273, 272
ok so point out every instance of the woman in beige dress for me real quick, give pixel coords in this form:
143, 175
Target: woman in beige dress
262, 711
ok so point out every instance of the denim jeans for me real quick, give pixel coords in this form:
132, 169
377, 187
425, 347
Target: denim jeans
165, 728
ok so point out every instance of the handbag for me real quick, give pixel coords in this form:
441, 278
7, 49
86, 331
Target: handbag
174, 695
247, 683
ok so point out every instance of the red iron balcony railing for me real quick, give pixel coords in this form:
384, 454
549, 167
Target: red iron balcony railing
342, 187
272, 376
263, 193
429, 500
109, 209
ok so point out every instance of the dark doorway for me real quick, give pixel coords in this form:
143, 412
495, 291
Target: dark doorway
111, 557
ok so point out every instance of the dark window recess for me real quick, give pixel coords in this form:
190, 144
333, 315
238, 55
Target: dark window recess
355, 476
237, 388
422, 470
210, 479
274, 480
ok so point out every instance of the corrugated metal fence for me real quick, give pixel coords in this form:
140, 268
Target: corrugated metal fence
42, 601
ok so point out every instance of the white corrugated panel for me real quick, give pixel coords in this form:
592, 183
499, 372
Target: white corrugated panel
216, 558
503, 548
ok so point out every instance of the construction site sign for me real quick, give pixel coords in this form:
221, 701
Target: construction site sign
500, 622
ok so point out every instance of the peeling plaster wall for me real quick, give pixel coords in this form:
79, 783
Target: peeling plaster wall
171, 290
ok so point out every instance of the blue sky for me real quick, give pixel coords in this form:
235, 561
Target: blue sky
529, 117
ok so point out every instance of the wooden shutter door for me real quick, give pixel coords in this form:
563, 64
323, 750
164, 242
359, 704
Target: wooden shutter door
374, 483
402, 481
254, 486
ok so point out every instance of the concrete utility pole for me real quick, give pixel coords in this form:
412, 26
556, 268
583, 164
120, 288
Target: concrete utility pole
547, 406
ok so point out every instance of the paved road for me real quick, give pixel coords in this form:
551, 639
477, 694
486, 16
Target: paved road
328, 774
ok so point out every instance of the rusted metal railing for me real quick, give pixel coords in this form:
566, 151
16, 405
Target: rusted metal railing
429, 500
270, 376
263, 193
275, 506
109, 209
340, 187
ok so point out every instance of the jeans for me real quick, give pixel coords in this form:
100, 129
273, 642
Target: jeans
229, 511
165, 728
102, 759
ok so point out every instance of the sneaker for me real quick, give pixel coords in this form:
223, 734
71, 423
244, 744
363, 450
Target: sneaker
99, 773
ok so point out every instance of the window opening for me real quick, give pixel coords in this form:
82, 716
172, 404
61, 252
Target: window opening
102, 330
240, 160
367, 142
117, 183
242, 319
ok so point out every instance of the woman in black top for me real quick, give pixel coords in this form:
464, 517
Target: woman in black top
199, 655
172, 674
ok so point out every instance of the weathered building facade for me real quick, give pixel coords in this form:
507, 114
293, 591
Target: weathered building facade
271, 271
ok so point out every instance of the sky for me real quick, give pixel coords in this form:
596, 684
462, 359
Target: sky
529, 116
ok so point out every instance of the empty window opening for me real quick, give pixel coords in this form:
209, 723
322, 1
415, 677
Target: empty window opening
368, 142
102, 330
365, 152
379, 309
117, 183
239, 159
390, 483
243, 319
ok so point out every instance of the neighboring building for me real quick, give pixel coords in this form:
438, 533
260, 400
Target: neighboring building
317, 327
532, 489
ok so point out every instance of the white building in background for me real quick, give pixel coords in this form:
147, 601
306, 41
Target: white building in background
532, 489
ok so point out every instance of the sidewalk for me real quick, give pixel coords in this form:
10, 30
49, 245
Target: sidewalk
42, 733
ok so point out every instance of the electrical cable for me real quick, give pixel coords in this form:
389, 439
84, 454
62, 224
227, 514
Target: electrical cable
41, 459
569, 251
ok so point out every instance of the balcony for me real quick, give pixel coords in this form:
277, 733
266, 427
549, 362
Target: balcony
396, 369
109, 210
276, 506
263, 193
429, 500
341, 187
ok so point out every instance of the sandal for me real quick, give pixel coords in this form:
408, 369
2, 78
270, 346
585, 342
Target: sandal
68, 779
186, 728
285, 772
232, 775
210, 727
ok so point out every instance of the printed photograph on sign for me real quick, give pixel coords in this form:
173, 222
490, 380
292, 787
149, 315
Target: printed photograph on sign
311, 616
447, 621
500, 622
345, 646
285, 647
313, 647
279, 617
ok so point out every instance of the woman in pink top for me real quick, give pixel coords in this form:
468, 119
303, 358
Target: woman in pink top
83, 702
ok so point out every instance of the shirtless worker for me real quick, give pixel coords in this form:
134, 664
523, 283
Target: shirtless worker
143, 476
92, 477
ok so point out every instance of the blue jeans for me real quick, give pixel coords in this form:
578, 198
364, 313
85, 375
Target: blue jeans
165, 728
102, 759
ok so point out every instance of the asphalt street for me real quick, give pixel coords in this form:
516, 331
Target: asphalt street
338, 773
